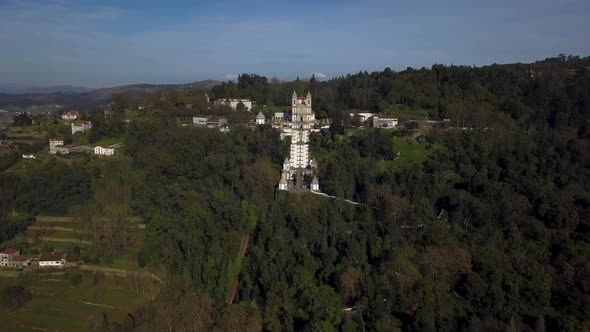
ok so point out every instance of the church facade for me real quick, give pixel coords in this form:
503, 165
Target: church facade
299, 169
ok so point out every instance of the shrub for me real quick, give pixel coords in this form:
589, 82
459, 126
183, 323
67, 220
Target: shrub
14, 297
74, 278
108, 260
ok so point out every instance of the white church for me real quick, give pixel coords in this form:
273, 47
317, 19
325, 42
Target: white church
299, 170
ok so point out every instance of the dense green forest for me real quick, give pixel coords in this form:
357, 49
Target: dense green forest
488, 230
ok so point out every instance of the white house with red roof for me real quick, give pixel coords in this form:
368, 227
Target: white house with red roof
70, 115
19, 262
7, 255
233, 103
10, 257
52, 260
108, 112
80, 126
104, 150
53, 143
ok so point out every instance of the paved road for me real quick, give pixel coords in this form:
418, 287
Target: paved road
330, 196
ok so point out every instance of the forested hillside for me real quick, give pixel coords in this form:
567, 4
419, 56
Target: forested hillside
490, 231
485, 228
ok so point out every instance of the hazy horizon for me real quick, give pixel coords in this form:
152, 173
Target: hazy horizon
101, 44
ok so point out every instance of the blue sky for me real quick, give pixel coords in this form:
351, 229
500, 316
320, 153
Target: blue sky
106, 43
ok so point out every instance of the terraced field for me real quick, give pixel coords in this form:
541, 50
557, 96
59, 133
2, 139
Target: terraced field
115, 286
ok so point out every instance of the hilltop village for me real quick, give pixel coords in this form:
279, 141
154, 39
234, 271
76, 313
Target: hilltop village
73, 136
295, 125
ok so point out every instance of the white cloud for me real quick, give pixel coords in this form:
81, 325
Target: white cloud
320, 76
231, 77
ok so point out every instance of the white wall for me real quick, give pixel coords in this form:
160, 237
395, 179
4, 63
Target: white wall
51, 263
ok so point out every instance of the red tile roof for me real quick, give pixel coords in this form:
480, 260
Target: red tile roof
81, 122
71, 112
56, 139
51, 256
20, 259
9, 251
214, 118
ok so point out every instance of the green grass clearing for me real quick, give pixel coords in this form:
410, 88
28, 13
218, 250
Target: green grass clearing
58, 306
109, 141
66, 235
24, 167
80, 139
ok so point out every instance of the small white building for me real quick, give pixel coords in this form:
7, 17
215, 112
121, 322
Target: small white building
283, 183
81, 126
7, 255
70, 115
11, 258
108, 112
64, 149
315, 184
260, 119
278, 117
233, 103
212, 121
54, 142
52, 260
362, 116
29, 156
19, 262
104, 150
200, 121
385, 121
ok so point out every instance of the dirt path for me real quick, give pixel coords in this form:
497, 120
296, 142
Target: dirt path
61, 239
118, 272
233, 290
52, 219
99, 305
53, 228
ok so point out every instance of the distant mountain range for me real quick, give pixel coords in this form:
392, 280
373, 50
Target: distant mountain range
22, 89
84, 98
